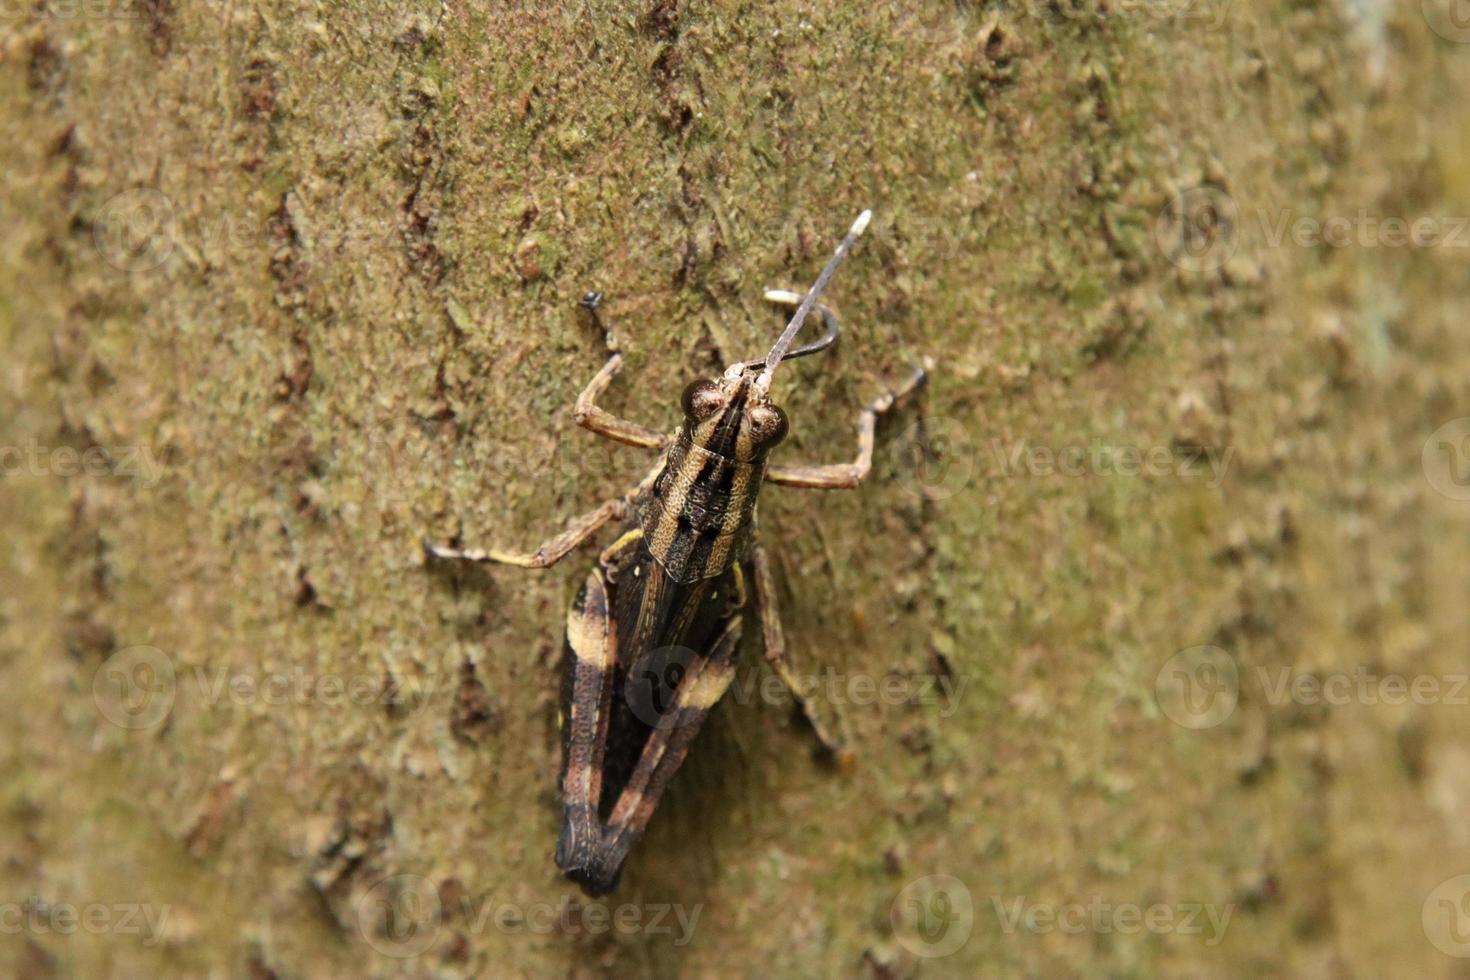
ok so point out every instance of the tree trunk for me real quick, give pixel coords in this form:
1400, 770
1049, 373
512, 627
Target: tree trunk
1147, 629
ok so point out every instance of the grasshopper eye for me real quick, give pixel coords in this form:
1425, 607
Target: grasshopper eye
701, 400
768, 425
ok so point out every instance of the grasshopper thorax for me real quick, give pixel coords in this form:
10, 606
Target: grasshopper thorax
696, 520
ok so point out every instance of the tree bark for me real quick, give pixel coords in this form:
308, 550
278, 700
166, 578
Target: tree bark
287, 286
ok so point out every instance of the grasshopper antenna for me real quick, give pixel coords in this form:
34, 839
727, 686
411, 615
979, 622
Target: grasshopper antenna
778, 350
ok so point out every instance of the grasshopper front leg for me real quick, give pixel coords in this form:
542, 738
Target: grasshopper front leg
846, 476
593, 417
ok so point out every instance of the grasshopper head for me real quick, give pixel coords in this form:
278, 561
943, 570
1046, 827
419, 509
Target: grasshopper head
732, 417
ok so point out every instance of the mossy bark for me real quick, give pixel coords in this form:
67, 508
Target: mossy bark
286, 286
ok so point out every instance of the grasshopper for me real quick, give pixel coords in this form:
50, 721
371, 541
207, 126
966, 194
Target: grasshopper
652, 636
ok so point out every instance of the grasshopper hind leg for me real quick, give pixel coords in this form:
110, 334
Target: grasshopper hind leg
554, 549
608, 806
773, 639
590, 653
709, 675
